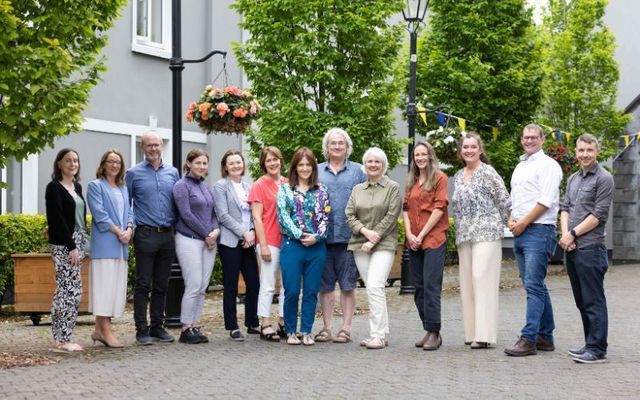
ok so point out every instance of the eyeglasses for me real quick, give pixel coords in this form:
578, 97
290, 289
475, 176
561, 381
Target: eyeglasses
113, 162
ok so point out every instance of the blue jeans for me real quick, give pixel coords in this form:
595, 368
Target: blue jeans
586, 268
297, 263
533, 249
427, 269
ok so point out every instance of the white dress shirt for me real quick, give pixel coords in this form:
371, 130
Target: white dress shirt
536, 179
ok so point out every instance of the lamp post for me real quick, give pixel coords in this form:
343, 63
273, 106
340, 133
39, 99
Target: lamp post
414, 16
175, 288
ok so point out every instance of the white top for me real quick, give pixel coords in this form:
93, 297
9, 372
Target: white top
243, 195
536, 179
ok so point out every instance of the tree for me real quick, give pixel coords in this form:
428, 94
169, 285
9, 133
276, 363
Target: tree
581, 73
48, 54
480, 58
317, 64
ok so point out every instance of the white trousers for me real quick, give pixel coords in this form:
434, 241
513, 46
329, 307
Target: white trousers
269, 272
196, 262
374, 270
480, 264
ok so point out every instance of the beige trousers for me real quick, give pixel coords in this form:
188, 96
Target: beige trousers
480, 264
374, 270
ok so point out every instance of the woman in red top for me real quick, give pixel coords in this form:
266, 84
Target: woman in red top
426, 223
263, 199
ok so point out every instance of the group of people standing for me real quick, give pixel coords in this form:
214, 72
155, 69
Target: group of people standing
323, 224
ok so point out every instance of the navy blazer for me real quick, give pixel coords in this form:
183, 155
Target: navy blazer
102, 204
229, 212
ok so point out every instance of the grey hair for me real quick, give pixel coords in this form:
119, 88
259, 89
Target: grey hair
534, 127
589, 138
325, 141
376, 152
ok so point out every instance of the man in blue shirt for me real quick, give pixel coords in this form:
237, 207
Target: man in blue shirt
340, 176
150, 185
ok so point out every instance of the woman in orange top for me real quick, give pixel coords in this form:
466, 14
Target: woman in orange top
426, 223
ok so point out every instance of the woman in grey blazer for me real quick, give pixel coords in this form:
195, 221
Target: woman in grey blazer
236, 244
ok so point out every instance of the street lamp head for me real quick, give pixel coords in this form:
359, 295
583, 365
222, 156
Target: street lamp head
416, 11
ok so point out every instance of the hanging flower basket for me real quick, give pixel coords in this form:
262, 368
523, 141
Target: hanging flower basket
228, 110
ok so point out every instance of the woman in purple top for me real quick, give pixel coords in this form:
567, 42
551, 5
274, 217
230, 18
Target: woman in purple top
196, 234
303, 210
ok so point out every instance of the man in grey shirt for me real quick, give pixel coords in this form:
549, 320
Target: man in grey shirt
583, 215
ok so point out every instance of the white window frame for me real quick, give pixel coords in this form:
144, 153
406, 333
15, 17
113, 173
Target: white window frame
143, 44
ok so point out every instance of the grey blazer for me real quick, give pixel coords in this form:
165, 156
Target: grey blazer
229, 212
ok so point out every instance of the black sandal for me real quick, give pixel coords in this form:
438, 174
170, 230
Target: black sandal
281, 331
270, 337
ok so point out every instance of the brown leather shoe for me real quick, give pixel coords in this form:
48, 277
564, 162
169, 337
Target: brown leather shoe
543, 344
523, 347
434, 341
422, 341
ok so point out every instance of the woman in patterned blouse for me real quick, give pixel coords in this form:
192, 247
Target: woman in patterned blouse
426, 223
481, 206
303, 209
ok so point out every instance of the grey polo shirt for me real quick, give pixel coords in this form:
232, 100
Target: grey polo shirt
590, 193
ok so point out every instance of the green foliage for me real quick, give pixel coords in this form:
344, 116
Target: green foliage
48, 53
581, 73
480, 58
19, 234
318, 64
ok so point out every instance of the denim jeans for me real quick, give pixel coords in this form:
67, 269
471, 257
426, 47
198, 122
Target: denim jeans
586, 268
301, 265
427, 269
533, 249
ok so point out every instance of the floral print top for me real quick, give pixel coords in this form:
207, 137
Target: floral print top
303, 212
481, 206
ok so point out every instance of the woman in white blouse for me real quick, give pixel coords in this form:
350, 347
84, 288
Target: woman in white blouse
481, 206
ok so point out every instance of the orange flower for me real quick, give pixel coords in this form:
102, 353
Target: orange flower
204, 115
192, 107
240, 113
222, 108
233, 90
204, 107
189, 116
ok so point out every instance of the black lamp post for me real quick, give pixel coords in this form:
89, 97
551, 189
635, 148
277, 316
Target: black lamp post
176, 65
414, 16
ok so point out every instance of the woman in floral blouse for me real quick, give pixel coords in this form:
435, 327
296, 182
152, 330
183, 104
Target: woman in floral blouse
426, 223
481, 206
303, 208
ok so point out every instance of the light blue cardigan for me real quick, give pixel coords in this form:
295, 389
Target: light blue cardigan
104, 243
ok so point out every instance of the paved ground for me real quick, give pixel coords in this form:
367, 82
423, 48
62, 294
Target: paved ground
255, 369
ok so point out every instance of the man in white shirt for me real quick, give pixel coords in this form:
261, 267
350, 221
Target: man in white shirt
535, 190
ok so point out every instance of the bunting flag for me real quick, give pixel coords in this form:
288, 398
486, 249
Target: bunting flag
423, 113
494, 133
568, 136
442, 119
558, 135
626, 140
629, 140
462, 123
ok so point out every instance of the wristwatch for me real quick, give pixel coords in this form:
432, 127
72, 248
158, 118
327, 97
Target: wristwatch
573, 233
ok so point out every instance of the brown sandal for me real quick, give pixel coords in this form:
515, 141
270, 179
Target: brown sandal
342, 337
323, 336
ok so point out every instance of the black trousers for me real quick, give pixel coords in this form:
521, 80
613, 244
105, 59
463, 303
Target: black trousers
155, 252
234, 261
427, 269
586, 268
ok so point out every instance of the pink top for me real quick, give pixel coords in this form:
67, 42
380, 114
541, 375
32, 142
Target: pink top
265, 191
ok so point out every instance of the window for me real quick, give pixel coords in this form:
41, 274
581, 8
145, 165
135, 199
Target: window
152, 27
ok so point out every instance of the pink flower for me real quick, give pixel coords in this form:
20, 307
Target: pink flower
255, 104
204, 115
240, 113
232, 90
189, 115
222, 108
209, 87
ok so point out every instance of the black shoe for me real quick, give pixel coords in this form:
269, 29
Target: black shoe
236, 335
282, 332
189, 336
577, 352
589, 358
543, 344
203, 337
143, 338
159, 334
253, 331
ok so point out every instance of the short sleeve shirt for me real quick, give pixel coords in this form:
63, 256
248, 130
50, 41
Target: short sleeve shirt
265, 191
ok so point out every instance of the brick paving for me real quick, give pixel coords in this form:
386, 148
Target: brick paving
256, 369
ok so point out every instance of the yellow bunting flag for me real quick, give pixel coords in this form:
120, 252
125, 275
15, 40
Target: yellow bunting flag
462, 123
423, 113
567, 135
626, 140
494, 132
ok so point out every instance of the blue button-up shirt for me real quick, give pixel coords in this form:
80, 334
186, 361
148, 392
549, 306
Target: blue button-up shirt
151, 192
339, 186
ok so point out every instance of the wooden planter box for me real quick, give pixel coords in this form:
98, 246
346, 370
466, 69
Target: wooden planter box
35, 282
